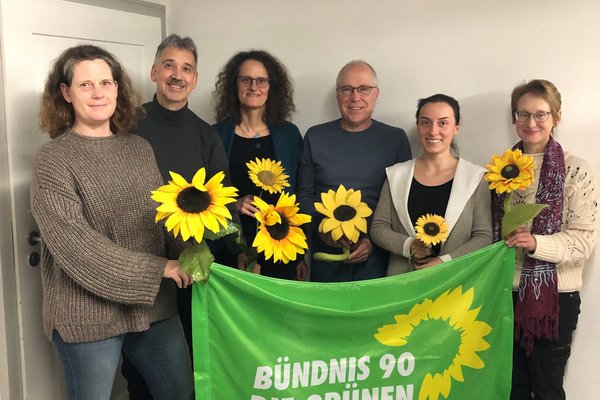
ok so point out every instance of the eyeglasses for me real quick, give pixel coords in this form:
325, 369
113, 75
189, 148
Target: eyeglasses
246, 81
362, 91
539, 116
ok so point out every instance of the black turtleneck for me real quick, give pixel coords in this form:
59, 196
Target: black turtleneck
182, 142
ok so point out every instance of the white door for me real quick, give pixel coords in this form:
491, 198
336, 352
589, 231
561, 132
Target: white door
34, 33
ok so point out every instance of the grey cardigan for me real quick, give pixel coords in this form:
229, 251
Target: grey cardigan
468, 215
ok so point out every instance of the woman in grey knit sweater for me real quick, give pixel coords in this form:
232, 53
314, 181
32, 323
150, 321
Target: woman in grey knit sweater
107, 283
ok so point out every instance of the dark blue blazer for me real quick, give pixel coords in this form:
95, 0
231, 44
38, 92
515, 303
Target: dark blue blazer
287, 144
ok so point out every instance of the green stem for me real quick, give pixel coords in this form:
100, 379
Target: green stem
507, 202
332, 257
252, 254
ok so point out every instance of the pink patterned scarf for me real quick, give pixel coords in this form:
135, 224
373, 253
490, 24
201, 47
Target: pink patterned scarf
536, 311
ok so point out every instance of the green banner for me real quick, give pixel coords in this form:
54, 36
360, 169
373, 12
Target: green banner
441, 333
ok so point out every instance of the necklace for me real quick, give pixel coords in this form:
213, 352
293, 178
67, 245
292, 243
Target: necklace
248, 134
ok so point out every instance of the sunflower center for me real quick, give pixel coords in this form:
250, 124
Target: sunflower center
344, 213
510, 171
192, 200
431, 229
279, 231
267, 177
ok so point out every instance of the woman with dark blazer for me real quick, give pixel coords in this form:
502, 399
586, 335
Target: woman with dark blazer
254, 100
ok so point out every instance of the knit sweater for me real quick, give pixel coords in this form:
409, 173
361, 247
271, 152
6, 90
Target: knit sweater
332, 157
102, 253
570, 247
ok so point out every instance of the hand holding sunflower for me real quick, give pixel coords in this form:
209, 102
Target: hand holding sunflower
507, 173
345, 217
278, 234
196, 210
430, 230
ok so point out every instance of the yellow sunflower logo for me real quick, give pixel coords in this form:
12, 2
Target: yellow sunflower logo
192, 207
454, 307
278, 234
511, 171
431, 229
344, 213
268, 174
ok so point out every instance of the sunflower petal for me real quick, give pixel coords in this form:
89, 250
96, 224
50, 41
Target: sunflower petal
178, 179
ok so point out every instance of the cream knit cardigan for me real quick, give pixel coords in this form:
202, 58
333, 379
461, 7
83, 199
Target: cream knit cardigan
570, 247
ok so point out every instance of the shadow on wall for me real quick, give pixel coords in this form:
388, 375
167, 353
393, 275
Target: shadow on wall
486, 126
315, 100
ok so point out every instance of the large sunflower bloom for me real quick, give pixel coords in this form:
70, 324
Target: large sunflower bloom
509, 172
431, 229
454, 307
192, 207
267, 174
279, 235
344, 213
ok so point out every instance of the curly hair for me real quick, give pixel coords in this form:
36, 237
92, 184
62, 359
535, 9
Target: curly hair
57, 115
280, 102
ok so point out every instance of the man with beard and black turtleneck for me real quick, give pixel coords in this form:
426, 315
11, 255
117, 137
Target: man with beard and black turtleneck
182, 143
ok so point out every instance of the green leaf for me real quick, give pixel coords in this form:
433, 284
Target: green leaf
332, 257
231, 228
519, 216
196, 261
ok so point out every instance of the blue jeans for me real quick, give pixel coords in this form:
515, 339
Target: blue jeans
159, 353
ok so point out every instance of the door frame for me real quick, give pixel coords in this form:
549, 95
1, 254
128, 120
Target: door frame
10, 362
11, 379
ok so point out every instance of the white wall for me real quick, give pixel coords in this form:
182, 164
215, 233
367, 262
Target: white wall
476, 51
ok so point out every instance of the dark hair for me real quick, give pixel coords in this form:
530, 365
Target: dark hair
452, 102
56, 114
178, 42
541, 88
440, 98
280, 102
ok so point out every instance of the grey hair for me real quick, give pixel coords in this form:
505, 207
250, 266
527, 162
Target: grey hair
351, 64
178, 42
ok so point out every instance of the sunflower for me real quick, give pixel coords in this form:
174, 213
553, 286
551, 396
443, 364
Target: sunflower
454, 307
431, 229
191, 207
267, 174
511, 171
279, 235
344, 213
